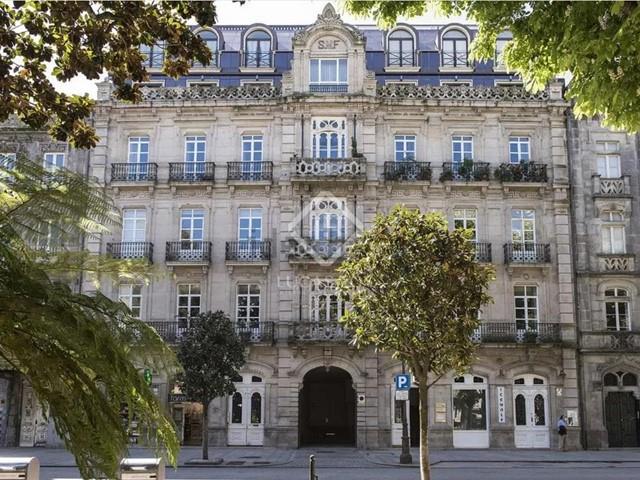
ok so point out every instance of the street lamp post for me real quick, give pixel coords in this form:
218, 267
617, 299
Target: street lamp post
405, 454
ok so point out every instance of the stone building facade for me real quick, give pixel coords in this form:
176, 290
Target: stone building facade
246, 181
605, 192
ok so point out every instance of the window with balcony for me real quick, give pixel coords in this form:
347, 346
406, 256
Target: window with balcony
248, 304
609, 159
401, 48
616, 308
153, 55
191, 228
466, 219
613, 233
329, 138
455, 49
134, 225
188, 300
257, 50
461, 148
525, 300
211, 40
328, 220
326, 304
195, 147
519, 150
53, 161
405, 148
252, 156
131, 296
249, 224
328, 74
523, 226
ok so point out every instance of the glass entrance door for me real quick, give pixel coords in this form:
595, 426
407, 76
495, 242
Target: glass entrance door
246, 412
530, 407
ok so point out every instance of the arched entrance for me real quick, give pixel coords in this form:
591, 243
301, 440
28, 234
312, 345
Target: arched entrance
622, 409
327, 408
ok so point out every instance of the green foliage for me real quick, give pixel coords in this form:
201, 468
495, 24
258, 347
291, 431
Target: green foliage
415, 290
79, 352
210, 353
88, 38
595, 42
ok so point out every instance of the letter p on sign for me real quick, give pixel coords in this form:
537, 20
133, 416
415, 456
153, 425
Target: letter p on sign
403, 382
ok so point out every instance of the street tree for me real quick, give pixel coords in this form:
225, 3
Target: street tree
211, 353
89, 38
79, 352
415, 289
595, 43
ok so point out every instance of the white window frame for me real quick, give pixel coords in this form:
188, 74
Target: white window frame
328, 219
323, 296
522, 154
203, 83
135, 155
529, 292
463, 141
134, 225
407, 150
53, 160
403, 54
192, 225
255, 144
463, 217
401, 82
616, 300
608, 160
337, 80
455, 41
256, 83
329, 126
254, 217
456, 83
613, 233
131, 295
198, 146
251, 293
527, 219
188, 291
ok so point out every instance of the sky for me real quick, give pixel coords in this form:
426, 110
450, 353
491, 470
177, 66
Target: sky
271, 12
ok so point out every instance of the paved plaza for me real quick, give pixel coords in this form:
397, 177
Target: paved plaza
336, 463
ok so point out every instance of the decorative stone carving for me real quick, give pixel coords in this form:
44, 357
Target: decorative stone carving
623, 341
196, 92
616, 264
505, 94
612, 186
327, 20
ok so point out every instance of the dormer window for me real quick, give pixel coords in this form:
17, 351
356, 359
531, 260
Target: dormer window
211, 40
455, 49
258, 49
401, 49
501, 43
328, 75
153, 55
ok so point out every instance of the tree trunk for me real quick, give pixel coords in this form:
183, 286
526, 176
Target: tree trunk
205, 431
425, 468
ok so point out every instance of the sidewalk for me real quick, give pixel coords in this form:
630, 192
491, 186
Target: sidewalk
344, 456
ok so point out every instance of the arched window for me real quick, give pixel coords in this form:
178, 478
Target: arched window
236, 408
521, 410
211, 40
256, 408
610, 380
629, 380
257, 49
455, 49
538, 410
401, 49
153, 55
616, 307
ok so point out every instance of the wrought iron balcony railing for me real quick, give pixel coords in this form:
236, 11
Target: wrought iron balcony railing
518, 332
527, 253
130, 250
328, 87
465, 171
248, 251
330, 167
522, 172
319, 332
192, 172
134, 172
249, 332
320, 250
188, 251
483, 252
250, 171
407, 171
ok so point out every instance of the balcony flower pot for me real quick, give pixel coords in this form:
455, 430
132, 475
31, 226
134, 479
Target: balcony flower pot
446, 176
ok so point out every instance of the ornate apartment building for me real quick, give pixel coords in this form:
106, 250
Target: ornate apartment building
246, 181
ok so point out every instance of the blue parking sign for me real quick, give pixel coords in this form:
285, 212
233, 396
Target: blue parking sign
403, 381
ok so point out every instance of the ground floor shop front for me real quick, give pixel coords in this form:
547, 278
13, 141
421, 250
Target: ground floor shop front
287, 397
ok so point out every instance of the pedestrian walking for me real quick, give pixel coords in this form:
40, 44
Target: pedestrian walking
562, 433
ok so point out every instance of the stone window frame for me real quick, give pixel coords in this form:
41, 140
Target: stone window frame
617, 299
608, 222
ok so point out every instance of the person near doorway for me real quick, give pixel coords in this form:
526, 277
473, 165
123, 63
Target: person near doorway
562, 433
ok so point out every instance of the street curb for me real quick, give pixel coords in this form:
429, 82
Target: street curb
520, 461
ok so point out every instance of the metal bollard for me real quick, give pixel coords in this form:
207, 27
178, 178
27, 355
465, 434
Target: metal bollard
19, 468
142, 469
312, 468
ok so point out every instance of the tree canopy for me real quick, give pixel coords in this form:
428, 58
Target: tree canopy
595, 43
210, 352
89, 38
79, 352
415, 289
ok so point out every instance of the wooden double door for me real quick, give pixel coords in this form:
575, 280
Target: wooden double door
622, 414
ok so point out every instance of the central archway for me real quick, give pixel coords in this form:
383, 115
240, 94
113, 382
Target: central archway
327, 408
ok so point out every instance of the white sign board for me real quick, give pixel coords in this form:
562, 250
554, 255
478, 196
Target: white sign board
501, 405
402, 394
